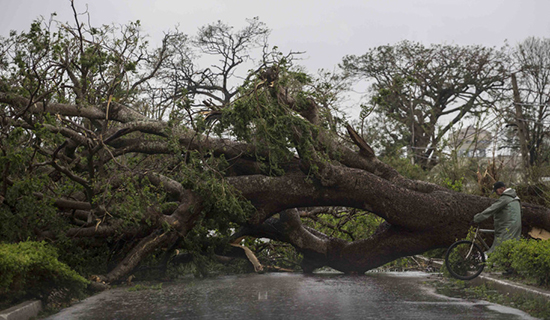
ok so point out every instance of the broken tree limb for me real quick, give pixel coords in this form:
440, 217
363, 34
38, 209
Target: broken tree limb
250, 255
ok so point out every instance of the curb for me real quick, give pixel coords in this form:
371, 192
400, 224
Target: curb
22, 311
503, 286
510, 287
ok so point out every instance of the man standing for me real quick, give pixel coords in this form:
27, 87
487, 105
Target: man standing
506, 213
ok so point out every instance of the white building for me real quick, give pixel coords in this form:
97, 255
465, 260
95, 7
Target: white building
472, 142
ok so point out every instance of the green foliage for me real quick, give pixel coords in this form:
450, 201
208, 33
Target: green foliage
86, 256
31, 212
31, 269
455, 185
274, 254
347, 224
131, 200
435, 253
530, 258
405, 167
257, 116
456, 173
222, 204
222, 209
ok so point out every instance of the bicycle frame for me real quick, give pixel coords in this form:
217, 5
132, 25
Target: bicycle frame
478, 237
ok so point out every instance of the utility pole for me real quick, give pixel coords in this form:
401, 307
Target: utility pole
523, 133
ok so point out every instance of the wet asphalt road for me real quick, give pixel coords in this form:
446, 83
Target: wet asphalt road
287, 296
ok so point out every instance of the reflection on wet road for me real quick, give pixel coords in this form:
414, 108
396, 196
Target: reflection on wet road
287, 296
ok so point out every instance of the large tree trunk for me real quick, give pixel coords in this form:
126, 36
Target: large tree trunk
415, 221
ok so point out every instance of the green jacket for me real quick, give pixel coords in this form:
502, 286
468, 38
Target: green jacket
507, 216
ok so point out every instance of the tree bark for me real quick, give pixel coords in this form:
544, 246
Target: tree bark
416, 221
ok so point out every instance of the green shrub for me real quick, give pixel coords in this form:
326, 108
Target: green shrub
530, 258
31, 270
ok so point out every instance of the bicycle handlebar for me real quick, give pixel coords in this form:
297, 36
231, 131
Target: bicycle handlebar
487, 230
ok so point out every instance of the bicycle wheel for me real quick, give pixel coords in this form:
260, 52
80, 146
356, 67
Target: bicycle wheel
465, 260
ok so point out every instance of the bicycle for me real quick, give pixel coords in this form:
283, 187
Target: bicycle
465, 259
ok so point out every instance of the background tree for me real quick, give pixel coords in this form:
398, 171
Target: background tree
419, 93
530, 84
225, 50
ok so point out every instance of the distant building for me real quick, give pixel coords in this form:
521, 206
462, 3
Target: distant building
493, 163
472, 142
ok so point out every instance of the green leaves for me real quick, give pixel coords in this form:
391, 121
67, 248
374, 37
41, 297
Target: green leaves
23, 212
259, 117
31, 269
223, 207
132, 200
530, 258
347, 224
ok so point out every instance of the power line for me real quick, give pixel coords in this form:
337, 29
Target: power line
530, 104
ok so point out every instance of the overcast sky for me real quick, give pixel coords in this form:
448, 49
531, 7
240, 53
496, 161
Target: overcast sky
325, 30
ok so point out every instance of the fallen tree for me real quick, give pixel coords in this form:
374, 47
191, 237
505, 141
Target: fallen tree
84, 158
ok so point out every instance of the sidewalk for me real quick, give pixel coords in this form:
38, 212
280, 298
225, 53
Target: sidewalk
23, 311
496, 282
